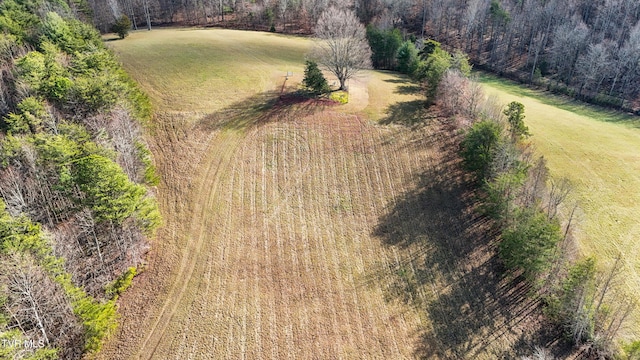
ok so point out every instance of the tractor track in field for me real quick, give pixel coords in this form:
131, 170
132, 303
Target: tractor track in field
303, 230
217, 158
305, 239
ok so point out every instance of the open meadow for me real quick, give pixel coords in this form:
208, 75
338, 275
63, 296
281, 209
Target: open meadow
599, 152
297, 228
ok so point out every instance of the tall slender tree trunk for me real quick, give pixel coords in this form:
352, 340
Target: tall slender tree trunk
424, 17
133, 14
147, 14
535, 58
481, 38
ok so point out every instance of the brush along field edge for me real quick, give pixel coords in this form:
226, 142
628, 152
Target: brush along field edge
599, 152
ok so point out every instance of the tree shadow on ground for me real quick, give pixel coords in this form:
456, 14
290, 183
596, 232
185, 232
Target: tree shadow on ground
405, 113
399, 78
447, 267
409, 90
263, 108
406, 86
183, 137
561, 101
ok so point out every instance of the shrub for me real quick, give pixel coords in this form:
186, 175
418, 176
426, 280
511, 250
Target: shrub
460, 62
10, 148
528, 245
97, 91
57, 30
122, 26
408, 59
15, 124
571, 304
98, 319
630, 351
29, 118
108, 191
501, 194
341, 97
438, 62
56, 88
32, 69
314, 80
8, 47
18, 19
515, 116
121, 284
607, 100
151, 177
88, 62
478, 146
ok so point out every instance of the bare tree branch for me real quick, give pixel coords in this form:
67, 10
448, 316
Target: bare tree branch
343, 48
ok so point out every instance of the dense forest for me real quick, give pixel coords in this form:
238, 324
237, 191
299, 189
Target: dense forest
75, 181
582, 48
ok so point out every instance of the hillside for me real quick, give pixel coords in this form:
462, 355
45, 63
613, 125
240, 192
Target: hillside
76, 180
300, 228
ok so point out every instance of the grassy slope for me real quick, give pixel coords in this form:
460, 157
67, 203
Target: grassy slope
599, 151
300, 230
191, 70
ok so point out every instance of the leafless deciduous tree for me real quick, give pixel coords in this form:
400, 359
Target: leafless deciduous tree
458, 94
342, 48
560, 189
38, 306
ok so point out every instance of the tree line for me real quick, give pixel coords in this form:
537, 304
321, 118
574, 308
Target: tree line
534, 239
582, 48
76, 181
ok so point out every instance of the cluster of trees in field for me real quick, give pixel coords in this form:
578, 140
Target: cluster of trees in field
523, 202
427, 64
76, 203
583, 48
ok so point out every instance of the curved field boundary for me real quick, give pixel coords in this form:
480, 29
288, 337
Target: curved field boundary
297, 229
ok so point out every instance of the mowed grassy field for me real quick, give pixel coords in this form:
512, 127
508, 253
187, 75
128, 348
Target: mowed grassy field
299, 229
599, 152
